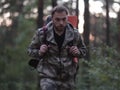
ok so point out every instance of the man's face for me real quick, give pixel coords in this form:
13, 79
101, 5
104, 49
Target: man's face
60, 20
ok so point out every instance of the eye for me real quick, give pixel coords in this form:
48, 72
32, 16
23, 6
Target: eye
60, 19
57, 19
64, 19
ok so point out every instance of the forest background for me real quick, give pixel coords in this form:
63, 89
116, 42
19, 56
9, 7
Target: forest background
99, 70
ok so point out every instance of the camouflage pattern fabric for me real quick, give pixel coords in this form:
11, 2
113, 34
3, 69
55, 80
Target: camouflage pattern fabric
51, 84
57, 68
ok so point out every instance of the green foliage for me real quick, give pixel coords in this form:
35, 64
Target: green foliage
15, 74
105, 69
102, 71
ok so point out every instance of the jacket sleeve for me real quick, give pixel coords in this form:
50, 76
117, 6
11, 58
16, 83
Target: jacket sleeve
81, 46
34, 46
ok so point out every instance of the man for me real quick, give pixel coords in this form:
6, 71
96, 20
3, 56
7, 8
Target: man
58, 54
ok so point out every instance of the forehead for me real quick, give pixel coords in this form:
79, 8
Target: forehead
60, 14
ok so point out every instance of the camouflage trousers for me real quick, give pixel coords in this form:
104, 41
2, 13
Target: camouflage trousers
52, 84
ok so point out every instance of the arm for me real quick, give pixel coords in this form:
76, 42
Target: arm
36, 48
81, 46
78, 49
33, 48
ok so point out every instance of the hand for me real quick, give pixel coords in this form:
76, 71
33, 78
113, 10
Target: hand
43, 49
74, 51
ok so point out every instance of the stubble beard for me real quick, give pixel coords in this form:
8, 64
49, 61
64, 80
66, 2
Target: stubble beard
59, 30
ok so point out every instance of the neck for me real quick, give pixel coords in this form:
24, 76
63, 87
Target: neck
59, 32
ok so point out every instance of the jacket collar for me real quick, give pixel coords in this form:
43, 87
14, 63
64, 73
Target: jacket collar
69, 34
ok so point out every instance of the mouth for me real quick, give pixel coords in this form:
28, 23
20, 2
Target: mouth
61, 26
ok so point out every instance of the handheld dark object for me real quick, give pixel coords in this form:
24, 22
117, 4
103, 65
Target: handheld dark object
33, 62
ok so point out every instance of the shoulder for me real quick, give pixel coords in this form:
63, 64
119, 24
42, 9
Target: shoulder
70, 26
77, 34
76, 30
40, 31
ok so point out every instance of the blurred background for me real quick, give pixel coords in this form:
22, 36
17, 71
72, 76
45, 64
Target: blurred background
99, 24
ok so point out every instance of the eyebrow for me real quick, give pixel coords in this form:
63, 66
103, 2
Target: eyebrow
60, 18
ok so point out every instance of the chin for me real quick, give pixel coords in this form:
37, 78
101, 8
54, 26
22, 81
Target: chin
61, 29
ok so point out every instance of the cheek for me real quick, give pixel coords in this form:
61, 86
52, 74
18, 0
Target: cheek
65, 23
56, 23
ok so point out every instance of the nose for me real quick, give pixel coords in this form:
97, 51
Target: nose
61, 22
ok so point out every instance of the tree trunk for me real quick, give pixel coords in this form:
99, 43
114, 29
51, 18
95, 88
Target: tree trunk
54, 3
86, 26
40, 14
118, 24
107, 24
86, 40
77, 11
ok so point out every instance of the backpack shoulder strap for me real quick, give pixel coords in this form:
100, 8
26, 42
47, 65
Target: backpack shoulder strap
44, 28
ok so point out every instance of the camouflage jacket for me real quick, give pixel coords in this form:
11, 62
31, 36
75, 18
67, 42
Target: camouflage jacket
55, 62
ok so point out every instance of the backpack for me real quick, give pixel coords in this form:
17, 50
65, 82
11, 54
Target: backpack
34, 62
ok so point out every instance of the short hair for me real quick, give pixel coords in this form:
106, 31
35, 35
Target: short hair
59, 9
